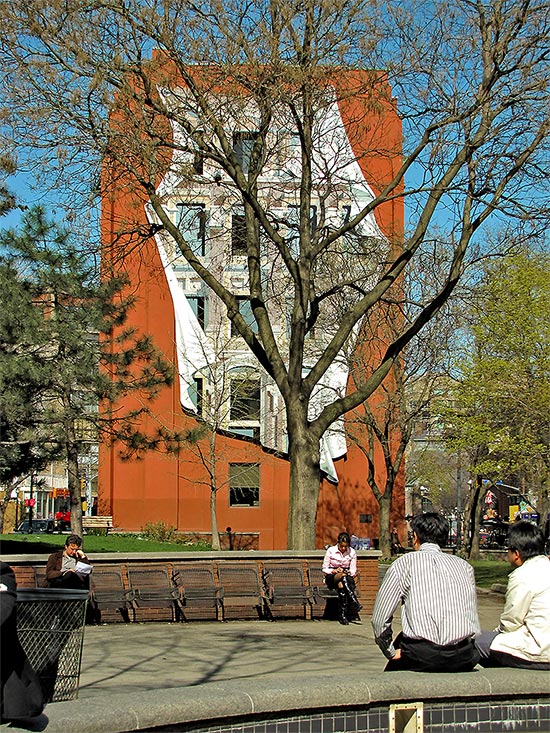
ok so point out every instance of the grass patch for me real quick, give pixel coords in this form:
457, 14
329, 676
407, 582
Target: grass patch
24, 544
488, 572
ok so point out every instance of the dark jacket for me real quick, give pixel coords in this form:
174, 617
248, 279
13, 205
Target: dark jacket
21, 695
55, 577
53, 567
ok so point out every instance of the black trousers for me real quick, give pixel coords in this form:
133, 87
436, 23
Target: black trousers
70, 580
421, 655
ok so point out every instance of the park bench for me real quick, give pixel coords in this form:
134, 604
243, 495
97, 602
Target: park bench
201, 597
243, 592
324, 600
153, 592
288, 593
222, 587
100, 522
108, 592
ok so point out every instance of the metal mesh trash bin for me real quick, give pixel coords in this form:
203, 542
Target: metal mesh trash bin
50, 627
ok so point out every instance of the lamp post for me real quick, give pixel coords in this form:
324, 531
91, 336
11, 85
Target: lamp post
88, 463
31, 503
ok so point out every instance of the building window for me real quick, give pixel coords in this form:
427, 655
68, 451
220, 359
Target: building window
295, 142
245, 399
244, 484
249, 432
198, 306
238, 233
196, 393
243, 142
192, 224
245, 309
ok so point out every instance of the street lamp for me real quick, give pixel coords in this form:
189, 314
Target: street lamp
31, 503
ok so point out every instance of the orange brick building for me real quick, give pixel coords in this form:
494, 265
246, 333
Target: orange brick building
174, 307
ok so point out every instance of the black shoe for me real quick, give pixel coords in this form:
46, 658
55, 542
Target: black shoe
349, 588
342, 604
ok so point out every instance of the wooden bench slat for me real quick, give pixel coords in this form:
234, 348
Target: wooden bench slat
97, 521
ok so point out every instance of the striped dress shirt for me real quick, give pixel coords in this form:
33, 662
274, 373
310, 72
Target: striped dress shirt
438, 599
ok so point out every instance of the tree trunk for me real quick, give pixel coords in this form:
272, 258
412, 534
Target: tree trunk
216, 545
213, 458
474, 542
471, 521
304, 482
543, 506
4, 505
73, 480
384, 533
416, 499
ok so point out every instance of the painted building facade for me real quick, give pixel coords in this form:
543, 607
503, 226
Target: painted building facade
222, 397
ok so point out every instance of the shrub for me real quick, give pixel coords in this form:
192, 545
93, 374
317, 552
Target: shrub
159, 531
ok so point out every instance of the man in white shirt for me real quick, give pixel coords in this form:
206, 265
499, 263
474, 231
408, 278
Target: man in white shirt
522, 638
437, 594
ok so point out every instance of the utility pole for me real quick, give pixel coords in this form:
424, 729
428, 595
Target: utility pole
31, 503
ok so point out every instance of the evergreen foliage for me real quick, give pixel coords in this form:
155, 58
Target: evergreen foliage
57, 367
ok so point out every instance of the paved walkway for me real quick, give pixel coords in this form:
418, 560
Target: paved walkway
126, 666
134, 657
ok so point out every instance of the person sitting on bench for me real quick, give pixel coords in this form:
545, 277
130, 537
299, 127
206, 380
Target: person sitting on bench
340, 569
62, 570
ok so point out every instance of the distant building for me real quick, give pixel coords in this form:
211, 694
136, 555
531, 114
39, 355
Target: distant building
220, 384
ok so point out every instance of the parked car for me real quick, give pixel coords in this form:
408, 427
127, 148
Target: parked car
39, 526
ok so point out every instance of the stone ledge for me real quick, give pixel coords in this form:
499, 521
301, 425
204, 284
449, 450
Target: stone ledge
117, 557
240, 700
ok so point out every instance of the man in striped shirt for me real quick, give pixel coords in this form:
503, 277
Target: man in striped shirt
438, 600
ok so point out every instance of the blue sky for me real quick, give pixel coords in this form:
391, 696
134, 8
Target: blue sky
20, 184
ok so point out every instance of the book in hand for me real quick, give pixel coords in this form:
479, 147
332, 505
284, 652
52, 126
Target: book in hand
82, 568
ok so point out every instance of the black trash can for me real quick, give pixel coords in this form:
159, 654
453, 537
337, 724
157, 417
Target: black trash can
50, 627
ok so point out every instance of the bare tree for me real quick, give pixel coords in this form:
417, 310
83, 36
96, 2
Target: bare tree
398, 406
226, 400
470, 81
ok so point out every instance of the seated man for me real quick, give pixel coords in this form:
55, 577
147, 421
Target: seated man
438, 600
61, 566
522, 638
